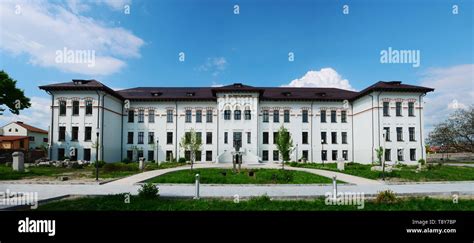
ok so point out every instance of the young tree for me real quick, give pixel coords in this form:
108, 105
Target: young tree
379, 153
190, 142
284, 144
456, 132
11, 96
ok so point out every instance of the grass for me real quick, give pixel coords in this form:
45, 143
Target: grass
116, 203
226, 176
434, 172
108, 171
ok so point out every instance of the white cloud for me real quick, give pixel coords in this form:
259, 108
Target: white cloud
39, 29
454, 89
326, 77
38, 115
214, 65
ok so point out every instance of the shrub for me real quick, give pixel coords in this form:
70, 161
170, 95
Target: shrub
387, 196
126, 161
182, 160
100, 163
422, 161
149, 191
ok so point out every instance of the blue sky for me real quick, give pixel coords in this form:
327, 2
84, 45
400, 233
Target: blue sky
330, 48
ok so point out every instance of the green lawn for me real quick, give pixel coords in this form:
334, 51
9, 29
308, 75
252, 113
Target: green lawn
111, 170
434, 172
116, 203
226, 176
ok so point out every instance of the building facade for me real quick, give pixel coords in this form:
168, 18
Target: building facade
90, 120
18, 135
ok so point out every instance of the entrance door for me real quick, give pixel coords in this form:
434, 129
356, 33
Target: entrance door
237, 138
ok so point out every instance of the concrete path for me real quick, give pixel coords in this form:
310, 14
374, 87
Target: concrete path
330, 174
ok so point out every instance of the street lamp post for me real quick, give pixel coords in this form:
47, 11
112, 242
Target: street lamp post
384, 135
322, 149
97, 158
296, 152
157, 144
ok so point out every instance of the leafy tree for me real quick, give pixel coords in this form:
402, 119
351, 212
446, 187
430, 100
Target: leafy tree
457, 132
11, 96
190, 142
284, 144
379, 153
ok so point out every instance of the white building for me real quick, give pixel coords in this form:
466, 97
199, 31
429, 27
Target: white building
326, 124
36, 137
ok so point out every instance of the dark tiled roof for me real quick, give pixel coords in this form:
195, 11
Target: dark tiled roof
12, 138
209, 93
31, 128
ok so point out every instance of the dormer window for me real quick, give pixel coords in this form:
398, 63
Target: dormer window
79, 82
395, 82
238, 85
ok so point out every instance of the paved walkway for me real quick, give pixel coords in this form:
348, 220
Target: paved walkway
330, 174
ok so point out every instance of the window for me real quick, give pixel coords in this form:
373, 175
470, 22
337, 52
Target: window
265, 116
208, 155
151, 116
343, 116
323, 138
304, 137
187, 137
333, 116
265, 155
169, 155
226, 137
305, 116
198, 156
386, 109
199, 137
140, 137
237, 114
411, 131
131, 116
88, 134
45, 140
227, 115
388, 156
323, 116
169, 138
344, 137
130, 138
140, 154
61, 152
398, 108
248, 115
411, 109
151, 155
275, 137
130, 155
188, 116
387, 133
75, 108
75, 133
265, 138
169, 116
400, 154
208, 138
286, 116
249, 138
209, 116
31, 138
87, 154
334, 137
344, 154
88, 107
187, 155
62, 108
324, 155
62, 133
305, 154
199, 116
151, 137
412, 154
22, 143
399, 134
276, 116
275, 155
334, 155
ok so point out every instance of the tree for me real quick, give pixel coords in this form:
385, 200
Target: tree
379, 153
457, 132
284, 144
190, 142
11, 96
